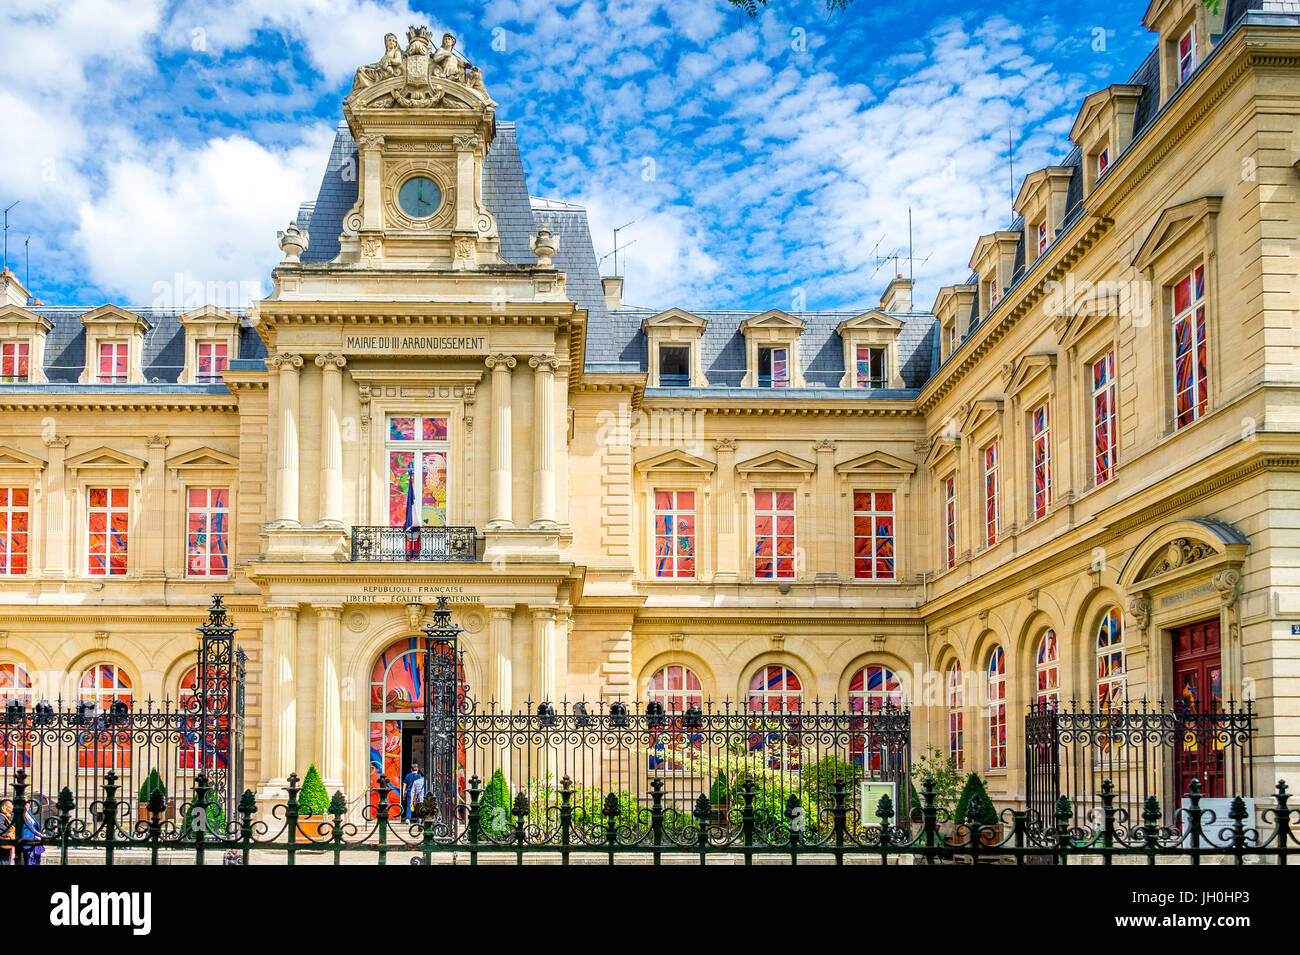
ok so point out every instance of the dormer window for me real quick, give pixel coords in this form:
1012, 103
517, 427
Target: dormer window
674, 366
113, 367
1186, 54
14, 362
213, 359
871, 365
774, 367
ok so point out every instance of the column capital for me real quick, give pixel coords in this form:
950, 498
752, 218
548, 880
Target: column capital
284, 611
544, 362
826, 446
328, 611
502, 360
331, 362
370, 141
285, 361
724, 444
505, 612
544, 613
57, 441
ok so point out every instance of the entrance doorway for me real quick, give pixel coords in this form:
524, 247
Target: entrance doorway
1198, 699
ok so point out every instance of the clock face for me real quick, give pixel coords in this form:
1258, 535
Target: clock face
419, 197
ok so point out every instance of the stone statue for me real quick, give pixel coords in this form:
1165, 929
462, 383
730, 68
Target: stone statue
474, 80
390, 64
447, 63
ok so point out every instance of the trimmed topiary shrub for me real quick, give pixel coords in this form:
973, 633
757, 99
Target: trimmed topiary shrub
216, 821
313, 800
151, 785
974, 807
495, 817
719, 793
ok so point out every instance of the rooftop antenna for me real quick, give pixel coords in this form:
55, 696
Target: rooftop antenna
6, 258
910, 270
27, 262
616, 246
617, 249
1011, 169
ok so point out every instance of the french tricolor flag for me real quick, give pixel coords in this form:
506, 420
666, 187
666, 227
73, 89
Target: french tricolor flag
411, 524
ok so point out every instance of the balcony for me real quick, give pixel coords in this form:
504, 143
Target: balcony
417, 545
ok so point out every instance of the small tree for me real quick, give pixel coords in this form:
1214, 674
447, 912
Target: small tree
313, 799
719, 793
975, 807
948, 779
152, 785
216, 820
495, 805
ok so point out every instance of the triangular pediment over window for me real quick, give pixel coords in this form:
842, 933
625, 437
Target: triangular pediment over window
1174, 223
1027, 369
13, 458
105, 457
674, 318
869, 320
17, 315
981, 411
111, 314
676, 461
776, 462
876, 462
202, 458
772, 318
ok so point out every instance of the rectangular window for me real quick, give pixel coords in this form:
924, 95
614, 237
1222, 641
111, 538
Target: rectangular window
674, 366
1191, 366
774, 534
1105, 401
674, 533
1103, 162
993, 293
1042, 236
417, 470
107, 519
871, 368
1186, 54
112, 363
213, 360
950, 520
952, 338
991, 522
207, 532
873, 535
13, 362
13, 530
1042, 434
773, 368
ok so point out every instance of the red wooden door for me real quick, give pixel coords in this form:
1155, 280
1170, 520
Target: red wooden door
1198, 689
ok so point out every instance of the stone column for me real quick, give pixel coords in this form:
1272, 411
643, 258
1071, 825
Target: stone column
282, 714
331, 440
500, 651
544, 685
728, 566
329, 719
286, 488
826, 542
152, 563
500, 513
56, 505
371, 147
544, 368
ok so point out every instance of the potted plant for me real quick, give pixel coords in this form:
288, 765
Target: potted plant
154, 783
313, 806
975, 809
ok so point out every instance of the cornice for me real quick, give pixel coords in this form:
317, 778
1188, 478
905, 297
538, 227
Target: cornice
217, 404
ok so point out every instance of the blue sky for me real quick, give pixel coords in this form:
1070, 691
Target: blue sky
154, 145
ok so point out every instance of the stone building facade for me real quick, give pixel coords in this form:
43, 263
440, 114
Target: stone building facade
1074, 477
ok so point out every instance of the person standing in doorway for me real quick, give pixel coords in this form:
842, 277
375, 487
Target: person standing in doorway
408, 783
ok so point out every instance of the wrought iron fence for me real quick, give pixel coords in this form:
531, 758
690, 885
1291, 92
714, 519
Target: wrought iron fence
423, 544
146, 747
1145, 750
570, 828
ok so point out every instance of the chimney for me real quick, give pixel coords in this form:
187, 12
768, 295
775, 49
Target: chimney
12, 289
613, 286
898, 295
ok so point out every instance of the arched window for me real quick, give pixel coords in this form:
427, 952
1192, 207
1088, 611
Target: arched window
997, 709
775, 689
1110, 660
676, 687
216, 740
15, 684
110, 747
956, 693
1047, 670
874, 686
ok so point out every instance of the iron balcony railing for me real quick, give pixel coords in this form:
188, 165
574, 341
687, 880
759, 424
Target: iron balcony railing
419, 544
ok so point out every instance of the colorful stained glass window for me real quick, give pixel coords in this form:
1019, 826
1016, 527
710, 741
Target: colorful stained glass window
14, 523
950, 520
773, 534
215, 742
113, 363
1041, 421
1111, 676
872, 688
994, 295
997, 709
1191, 364
1186, 54
103, 685
1047, 670
214, 358
676, 687
873, 535
773, 368
991, 509
107, 518
674, 534
417, 451
14, 362
15, 684
1105, 402
673, 746
956, 694
871, 367
775, 689
207, 532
